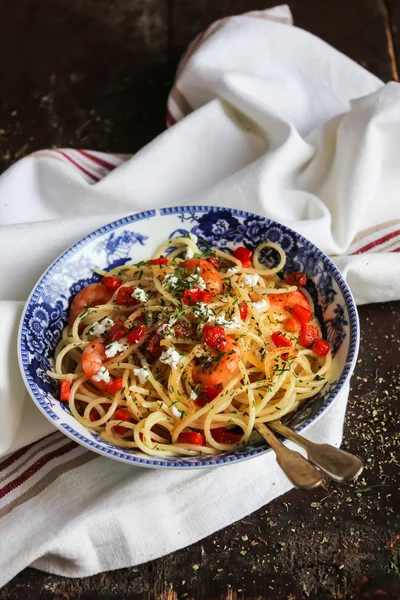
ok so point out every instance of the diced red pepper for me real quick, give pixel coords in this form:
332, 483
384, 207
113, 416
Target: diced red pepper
192, 296
192, 437
244, 310
321, 347
65, 390
117, 331
206, 296
302, 314
114, 386
296, 279
195, 295
308, 335
225, 436
206, 396
214, 261
244, 255
214, 336
136, 334
122, 414
280, 340
124, 296
112, 283
158, 261
292, 325
153, 345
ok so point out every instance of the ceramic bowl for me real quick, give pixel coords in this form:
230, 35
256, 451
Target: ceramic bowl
135, 238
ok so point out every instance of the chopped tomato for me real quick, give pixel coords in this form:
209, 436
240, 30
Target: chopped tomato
206, 296
214, 261
114, 386
136, 334
321, 347
302, 314
225, 436
94, 415
280, 340
244, 255
153, 345
112, 283
308, 335
192, 437
206, 396
124, 296
158, 261
292, 325
244, 310
117, 331
122, 414
183, 331
296, 279
214, 336
65, 390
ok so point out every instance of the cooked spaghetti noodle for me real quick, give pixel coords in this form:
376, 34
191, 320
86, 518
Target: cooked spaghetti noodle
186, 355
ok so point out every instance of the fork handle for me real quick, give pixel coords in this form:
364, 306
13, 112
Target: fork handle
337, 464
297, 469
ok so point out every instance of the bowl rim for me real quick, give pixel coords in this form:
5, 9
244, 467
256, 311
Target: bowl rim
204, 462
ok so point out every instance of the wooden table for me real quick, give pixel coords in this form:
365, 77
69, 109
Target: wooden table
96, 74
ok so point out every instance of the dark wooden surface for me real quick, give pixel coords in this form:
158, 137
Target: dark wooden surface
95, 74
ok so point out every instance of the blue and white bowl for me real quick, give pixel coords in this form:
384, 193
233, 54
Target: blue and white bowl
136, 238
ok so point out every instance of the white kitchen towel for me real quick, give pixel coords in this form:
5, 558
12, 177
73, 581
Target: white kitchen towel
276, 122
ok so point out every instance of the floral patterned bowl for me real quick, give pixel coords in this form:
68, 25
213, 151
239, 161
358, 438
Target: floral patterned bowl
135, 238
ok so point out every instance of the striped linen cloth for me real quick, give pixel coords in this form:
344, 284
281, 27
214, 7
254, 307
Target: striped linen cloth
262, 115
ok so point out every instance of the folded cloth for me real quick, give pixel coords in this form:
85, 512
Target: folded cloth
276, 121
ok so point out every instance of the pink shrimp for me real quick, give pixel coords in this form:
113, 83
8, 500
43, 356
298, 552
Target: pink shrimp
288, 300
92, 357
217, 372
93, 294
209, 273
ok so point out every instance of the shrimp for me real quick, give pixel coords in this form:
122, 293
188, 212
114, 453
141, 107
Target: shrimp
217, 372
92, 357
92, 295
208, 273
288, 300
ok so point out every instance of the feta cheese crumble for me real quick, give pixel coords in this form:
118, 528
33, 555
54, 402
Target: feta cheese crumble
171, 357
114, 348
98, 328
166, 329
201, 310
102, 375
171, 281
142, 375
234, 323
193, 237
193, 395
176, 412
196, 281
251, 279
260, 306
140, 295
189, 253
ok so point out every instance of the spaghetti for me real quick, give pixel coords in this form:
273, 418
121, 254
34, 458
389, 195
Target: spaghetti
186, 355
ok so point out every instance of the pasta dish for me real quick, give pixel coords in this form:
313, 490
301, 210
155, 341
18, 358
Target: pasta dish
188, 352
